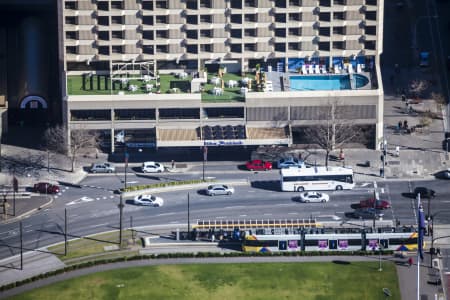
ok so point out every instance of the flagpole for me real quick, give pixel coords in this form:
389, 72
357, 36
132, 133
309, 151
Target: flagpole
418, 246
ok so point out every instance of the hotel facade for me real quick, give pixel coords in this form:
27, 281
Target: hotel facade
115, 55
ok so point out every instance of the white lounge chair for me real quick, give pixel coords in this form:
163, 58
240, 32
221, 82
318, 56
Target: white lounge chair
304, 71
350, 69
317, 69
337, 69
358, 68
310, 69
323, 68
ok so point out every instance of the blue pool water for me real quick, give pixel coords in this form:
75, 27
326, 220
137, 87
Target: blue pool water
326, 82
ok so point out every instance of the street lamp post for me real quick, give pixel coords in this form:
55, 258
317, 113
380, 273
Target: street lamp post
414, 37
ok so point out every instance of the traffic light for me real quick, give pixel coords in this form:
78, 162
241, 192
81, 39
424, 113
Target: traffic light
15, 184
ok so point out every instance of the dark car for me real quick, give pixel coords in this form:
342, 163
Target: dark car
46, 188
379, 204
424, 192
258, 165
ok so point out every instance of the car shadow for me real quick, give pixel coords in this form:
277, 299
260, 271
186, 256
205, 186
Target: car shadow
270, 185
130, 202
409, 195
441, 175
202, 192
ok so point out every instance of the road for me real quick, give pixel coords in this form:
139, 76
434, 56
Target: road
93, 207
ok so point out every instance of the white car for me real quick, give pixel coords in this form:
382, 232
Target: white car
314, 197
150, 200
219, 189
152, 167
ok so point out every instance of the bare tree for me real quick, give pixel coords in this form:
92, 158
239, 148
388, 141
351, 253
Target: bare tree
417, 87
58, 140
336, 128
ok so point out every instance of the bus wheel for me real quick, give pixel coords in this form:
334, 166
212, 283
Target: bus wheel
300, 189
339, 188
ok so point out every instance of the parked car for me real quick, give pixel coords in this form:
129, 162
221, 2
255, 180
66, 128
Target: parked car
152, 167
258, 165
314, 197
424, 58
366, 213
378, 204
219, 189
424, 192
102, 168
46, 188
290, 162
446, 173
148, 200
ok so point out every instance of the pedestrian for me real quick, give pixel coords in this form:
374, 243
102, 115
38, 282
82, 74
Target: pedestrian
405, 124
397, 151
173, 163
399, 125
381, 172
410, 262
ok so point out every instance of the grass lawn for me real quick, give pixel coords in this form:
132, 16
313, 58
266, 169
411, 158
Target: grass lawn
358, 280
91, 245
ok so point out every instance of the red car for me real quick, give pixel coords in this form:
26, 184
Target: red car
369, 203
258, 165
45, 188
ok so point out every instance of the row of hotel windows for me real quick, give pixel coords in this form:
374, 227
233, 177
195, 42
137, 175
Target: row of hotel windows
209, 19
209, 33
210, 48
237, 4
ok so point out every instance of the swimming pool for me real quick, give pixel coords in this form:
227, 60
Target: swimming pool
327, 82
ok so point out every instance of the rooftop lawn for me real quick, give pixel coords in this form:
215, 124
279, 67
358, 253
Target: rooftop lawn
326, 280
75, 86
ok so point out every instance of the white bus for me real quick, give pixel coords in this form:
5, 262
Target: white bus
316, 178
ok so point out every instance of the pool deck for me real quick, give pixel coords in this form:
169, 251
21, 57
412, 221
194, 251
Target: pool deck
285, 86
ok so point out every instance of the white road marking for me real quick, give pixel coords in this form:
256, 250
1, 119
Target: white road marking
98, 198
104, 197
267, 214
174, 222
220, 217
132, 181
364, 184
166, 214
81, 200
242, 215
111, 197
292, 213
98, 225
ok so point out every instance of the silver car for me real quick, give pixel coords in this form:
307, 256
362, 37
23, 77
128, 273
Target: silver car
219, 189
102, 168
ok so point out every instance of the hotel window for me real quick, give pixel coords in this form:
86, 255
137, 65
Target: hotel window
324, 31
339, 15
70, 5
104, 21
192, 34
71, 20
162, 49
294, 46
250, 47
206, 33
71, 35
281, 18
236, 4
116, 5
371, 30
280, 3
280, 32
295, 17
71, 50
191, 4
236, 19
147, 5
371, 15
338, 45
205, 19
205, 3
147, 20
205, 48
371, 2
325, 17
103, 50
161, 4
147, 34
370, 45
338, 30
103, 5
324, 46
236, 48
294, 2
192, 49
116, 49
118, 20
325, 3
117, 35
250, 32
250, 18
236, 33
280, 47
148, 49
162, 34
340, 2
103, 35
161, 20
192, 19
251, 3
294, 31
